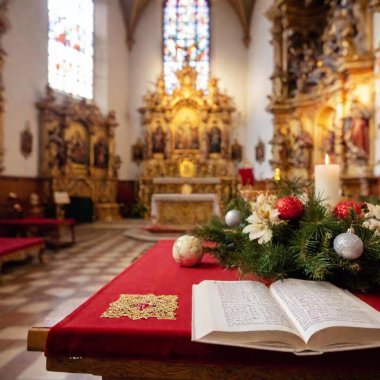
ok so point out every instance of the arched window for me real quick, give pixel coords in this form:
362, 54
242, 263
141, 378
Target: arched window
186, 39
71, 50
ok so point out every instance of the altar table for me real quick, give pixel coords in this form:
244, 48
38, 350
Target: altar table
184, 209
117, 348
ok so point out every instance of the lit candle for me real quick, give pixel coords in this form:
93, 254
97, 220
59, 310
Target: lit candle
277, 174
327, 184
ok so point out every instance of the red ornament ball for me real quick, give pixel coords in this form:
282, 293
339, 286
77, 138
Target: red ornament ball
342, 209
290, 207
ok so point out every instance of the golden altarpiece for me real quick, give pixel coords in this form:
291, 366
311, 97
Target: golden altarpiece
77, 152
187, 141
323, 88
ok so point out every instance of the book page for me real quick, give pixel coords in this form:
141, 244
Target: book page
313, 306
245, 306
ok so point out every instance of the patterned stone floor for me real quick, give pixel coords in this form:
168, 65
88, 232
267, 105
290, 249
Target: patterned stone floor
29, 291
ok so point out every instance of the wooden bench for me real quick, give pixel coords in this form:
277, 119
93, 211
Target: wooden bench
20, 248
39, 227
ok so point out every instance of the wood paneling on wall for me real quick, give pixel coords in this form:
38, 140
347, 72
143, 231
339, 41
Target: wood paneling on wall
22, 186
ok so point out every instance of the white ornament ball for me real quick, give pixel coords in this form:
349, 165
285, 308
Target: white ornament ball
187, 251
233, 218
348, 245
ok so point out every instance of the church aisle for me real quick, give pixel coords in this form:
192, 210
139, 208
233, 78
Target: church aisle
29, 292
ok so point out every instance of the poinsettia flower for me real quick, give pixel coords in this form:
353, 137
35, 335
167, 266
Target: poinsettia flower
373, 224
373, 211
263, 216
259, 231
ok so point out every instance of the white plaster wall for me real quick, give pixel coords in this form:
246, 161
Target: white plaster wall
229, 60
145, 65
228, 63
25, 77
260, 68
117, 93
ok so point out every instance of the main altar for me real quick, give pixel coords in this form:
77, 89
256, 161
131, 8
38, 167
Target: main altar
186, 147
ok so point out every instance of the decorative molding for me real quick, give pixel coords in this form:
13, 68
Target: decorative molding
77, 151
322, 83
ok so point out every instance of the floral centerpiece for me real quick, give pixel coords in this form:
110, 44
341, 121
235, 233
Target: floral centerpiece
296, 234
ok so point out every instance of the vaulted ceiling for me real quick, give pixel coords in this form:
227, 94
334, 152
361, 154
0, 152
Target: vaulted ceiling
133, 9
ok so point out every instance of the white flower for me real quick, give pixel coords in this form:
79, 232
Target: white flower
372, 217
373, 211
373, 224
258, 231
263, 216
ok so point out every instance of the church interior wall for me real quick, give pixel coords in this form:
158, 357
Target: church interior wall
228, 61
118, 89
145, 65
259, 87
25, 77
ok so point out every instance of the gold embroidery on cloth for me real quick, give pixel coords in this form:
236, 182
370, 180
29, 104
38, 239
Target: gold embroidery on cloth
143, 306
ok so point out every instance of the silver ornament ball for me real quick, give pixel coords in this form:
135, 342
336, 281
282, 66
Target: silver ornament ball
233, 218
348, 245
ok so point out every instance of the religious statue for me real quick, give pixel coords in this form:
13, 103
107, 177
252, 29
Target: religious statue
158, 140
356, 132
101, 153
302, 149
56, 148
236, 151
215, 140
280, 147
328, 144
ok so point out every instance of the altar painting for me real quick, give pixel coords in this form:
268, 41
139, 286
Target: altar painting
77, 144
186, 132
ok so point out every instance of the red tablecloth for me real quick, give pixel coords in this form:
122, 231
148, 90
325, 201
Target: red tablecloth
84, 334
8, 245
36, 222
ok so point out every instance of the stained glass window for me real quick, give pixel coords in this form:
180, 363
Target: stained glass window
71, 51
186, 40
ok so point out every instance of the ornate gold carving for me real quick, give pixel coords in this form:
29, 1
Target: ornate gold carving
184, 212
321, 86
77, 152
143, 306
187, 134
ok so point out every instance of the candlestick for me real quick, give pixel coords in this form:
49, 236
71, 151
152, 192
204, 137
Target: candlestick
327, 185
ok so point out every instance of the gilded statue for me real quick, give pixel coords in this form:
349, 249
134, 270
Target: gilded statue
356, 133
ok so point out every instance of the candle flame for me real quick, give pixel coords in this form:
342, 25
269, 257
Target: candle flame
327, 159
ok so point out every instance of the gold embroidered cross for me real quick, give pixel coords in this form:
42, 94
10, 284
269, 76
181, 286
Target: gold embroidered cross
143, 306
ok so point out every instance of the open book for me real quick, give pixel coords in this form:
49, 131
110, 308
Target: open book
291, 315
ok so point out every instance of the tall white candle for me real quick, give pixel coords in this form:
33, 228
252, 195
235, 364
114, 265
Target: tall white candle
327, 184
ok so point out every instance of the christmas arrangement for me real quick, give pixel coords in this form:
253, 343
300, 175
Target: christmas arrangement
294, 233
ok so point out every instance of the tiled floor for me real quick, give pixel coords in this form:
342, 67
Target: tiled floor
29, 292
